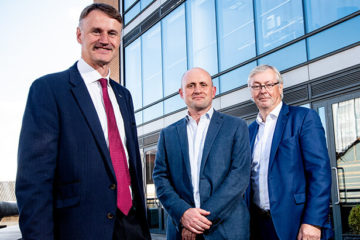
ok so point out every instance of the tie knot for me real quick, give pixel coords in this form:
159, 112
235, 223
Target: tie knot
103, 82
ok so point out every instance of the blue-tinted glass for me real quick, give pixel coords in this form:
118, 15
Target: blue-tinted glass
151, 65
334, 38
139, 118
322, 12
286, 57
132, 13
201, 27
133, 72
236, 32
153, 112
128, 3
174, 50
216, 83
174, 103
278, 22
236, 78
145, 3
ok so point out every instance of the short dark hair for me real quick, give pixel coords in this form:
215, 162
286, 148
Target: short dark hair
105, 8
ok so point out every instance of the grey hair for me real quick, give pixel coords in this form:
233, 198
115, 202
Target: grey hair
263, 68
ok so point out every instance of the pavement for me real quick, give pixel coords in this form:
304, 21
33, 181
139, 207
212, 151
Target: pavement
13, 233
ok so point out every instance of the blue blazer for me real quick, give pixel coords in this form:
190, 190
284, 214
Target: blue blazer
65, 178
224, 176
299, 175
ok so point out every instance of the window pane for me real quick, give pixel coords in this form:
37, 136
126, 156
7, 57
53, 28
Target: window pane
334, 38
321, 12
236, 78
132, 13
216, 83
133, 72
145, 3
278, 22
174, 103
286, 57
139, 118
128, 3
174, 50
236, 32
151, 55
201, 28
153, 112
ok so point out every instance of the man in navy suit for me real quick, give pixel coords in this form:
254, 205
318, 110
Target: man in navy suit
78, 128
202, 167
290, 173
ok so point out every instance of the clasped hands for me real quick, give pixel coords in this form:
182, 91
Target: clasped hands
194, 222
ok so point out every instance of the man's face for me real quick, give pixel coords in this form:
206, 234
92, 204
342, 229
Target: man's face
99, 36
266, 99
197, 90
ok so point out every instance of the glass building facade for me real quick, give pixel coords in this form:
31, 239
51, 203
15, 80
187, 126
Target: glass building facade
314, 43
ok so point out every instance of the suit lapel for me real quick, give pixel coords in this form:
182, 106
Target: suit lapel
184, 145
86, 105
279, 130
213, 130
253, 136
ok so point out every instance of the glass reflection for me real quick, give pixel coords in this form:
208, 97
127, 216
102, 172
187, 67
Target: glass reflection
133, 72
322, 12
201, 27
152, 65
278, 22
235, 32
174, 50
236, 78
346, 117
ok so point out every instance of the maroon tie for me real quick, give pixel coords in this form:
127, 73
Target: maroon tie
117, 154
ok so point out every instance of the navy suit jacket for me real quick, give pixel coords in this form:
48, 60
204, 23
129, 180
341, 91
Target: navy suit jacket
299, 175
224, 176
65, 178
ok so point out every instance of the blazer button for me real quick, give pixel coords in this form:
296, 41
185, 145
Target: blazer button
113, 186
110, 216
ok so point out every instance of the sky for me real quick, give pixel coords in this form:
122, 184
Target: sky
39, 37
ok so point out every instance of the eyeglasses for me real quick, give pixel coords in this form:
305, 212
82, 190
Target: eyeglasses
268, 86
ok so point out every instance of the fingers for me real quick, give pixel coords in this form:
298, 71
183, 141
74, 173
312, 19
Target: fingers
187, 235
194, 220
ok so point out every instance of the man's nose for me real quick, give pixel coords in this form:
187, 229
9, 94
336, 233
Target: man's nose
104, 38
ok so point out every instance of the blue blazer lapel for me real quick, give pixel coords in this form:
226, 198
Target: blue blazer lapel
213, 130
184, 145
86, 105
279, 130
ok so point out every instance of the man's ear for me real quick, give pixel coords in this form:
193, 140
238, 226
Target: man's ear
181, 93
78, 35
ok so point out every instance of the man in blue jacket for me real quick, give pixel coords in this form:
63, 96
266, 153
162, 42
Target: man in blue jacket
202, 168
79, 169
290, 182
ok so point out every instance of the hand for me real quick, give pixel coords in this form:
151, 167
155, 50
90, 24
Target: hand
187, 235
309, 232
194, 220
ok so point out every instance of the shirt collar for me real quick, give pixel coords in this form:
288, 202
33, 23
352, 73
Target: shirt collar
274, 114
208, 114
88, 73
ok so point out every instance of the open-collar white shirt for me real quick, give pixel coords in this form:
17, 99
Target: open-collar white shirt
196, 134
261, 157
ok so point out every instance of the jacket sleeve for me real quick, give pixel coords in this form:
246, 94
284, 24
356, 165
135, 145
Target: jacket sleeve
317, 170
170, 199
233, 188
37, 155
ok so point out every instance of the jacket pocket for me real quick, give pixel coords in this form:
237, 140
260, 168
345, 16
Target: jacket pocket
300, 198
67, 195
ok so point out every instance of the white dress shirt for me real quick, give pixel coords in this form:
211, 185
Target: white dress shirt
91, 77
261, 156
196, 134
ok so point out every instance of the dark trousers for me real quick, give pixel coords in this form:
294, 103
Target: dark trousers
129, 227
262, 227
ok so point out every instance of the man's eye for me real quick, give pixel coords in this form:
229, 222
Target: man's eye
256, 86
